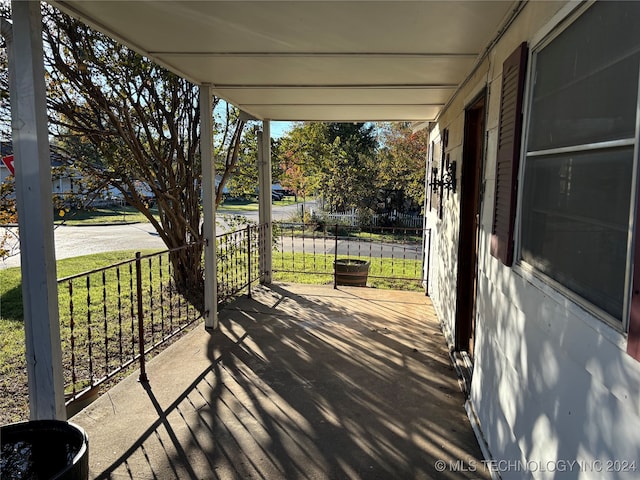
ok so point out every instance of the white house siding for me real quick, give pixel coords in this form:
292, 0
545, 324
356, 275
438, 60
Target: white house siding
63, 185
59, 186
551, 383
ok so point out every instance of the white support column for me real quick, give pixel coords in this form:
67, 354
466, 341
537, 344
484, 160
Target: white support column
264, 213
35, 213
208, 207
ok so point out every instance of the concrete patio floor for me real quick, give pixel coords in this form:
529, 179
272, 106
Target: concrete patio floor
300, 382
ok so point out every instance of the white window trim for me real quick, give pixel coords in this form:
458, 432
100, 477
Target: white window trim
560, 21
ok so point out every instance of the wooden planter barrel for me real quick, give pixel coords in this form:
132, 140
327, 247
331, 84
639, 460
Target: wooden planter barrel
350, 272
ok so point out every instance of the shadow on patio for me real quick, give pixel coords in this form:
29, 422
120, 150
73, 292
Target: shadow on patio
300, 382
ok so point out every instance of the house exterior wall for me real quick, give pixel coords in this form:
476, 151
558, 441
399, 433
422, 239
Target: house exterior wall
551, 383
61, 186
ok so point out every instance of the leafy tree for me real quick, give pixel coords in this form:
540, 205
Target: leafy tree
293, 176
276, 167
350, 179
402, 162
337, 160
356, 138
300, 155
244, 179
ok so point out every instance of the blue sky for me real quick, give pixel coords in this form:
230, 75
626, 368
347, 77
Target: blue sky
280, 128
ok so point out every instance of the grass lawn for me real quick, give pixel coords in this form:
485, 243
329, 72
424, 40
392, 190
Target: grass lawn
238, 205
11, 290
285, 201
250, 205
397, 274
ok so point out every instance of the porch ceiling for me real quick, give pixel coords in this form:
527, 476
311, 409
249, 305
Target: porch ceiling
310, 60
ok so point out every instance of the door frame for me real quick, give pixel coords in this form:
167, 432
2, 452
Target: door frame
473, 147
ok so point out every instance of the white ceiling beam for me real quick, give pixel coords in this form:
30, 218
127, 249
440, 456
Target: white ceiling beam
324, 104
334, 86
316, 54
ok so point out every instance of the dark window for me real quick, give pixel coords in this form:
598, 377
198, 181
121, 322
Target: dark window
578, 191
575, 223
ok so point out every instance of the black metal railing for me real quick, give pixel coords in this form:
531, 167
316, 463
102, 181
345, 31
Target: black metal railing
396, 255
239, 264
113, 317
109, 316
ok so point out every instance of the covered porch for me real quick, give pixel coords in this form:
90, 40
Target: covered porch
310, 61
300, 381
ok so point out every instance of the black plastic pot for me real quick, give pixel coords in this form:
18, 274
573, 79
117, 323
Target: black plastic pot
350, 272
44, 450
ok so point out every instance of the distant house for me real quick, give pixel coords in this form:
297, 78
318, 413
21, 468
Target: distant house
66, 180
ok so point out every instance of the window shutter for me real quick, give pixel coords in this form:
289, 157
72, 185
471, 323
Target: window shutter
509, 140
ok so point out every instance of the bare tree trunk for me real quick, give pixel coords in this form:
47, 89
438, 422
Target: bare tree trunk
188, 274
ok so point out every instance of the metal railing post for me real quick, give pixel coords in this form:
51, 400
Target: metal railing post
335, 259
426, 292
249, 261
143, 370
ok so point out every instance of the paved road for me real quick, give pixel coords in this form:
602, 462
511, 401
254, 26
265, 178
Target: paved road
71, 241
74, 241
